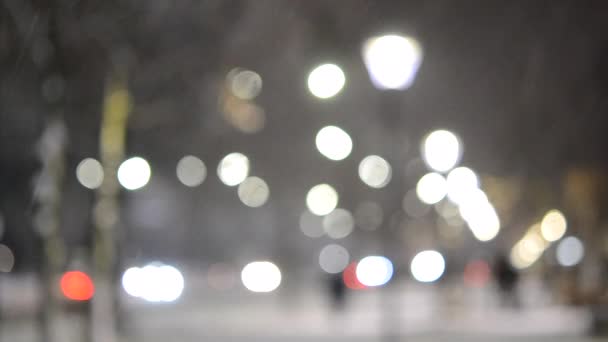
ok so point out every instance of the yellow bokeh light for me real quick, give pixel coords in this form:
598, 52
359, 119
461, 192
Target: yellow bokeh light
553, 225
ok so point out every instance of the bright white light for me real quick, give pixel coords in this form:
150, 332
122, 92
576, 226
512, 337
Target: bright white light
233, 169
427, 266
134, 173
441, 150
154, 283
553, 225
431, 188
392, 61
191, 171
132, 281
321, 199
479, 214
375, 171
333, 258
253, 192
339, 223
334, 143
261, 276
374, 271
326, 81
89, 173
485, 223
461, 181
470, 204
311, 225
570, 251
173, 283
245, 84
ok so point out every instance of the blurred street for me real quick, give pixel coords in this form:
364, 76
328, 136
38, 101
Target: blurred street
362, 170
409, 311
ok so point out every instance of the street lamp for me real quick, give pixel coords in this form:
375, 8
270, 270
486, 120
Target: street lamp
392, 61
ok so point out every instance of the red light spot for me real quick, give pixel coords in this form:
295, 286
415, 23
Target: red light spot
77, 285
477, 273
349, 275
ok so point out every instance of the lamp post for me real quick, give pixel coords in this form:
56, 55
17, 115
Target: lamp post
392, 62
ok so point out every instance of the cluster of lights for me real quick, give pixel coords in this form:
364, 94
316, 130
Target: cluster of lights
375, 270
540, 236
134, 173
392, 62
441, 151
155, 283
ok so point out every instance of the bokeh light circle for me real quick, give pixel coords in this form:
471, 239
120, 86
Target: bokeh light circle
374, 270
427, 266
460, 182
77, 286
334, 143
431, 188
89, 173
253, 192
326, 81
392, 61
134, 173
321, 199
261, 276
233, 169
339, 223
553, 226
570, 251
191, 171
375, 171
333, 258
245, 84
441, 150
